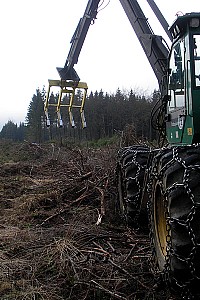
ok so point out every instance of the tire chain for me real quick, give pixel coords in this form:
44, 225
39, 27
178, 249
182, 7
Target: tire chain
155, 175
135, 201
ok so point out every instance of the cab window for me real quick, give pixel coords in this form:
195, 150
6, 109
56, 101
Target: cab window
176, 78
196, 41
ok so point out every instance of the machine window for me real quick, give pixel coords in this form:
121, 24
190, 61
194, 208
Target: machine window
176, 79
196, 40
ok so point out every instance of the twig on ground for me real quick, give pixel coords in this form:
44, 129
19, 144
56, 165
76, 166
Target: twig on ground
130, 253
103, 210
53, 216
113, 294
85, 176
113, 249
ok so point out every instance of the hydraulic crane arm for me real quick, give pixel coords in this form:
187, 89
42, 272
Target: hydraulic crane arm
160, 18
68, 72
153, 46
70, 80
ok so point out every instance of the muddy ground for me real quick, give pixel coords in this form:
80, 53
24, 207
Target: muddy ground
60, 234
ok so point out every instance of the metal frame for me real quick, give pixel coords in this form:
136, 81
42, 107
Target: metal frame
66, 87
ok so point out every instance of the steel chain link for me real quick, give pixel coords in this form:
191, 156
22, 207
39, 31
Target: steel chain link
134, 200
157, 173
163, 160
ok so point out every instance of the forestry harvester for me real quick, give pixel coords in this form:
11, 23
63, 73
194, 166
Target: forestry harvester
164, 181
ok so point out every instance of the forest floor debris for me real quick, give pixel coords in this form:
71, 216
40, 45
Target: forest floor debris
60, 235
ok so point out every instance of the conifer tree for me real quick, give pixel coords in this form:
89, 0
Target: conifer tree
35, 117
9, 131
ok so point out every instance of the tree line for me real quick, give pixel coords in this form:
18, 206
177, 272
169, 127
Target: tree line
106, 114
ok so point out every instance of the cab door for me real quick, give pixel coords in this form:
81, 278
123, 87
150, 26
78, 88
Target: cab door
177, 91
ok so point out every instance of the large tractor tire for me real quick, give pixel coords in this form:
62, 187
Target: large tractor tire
132, 163
174, 211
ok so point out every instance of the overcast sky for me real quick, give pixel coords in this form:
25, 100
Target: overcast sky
35, 39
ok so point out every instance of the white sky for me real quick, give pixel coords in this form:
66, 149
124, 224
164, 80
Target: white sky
35, 39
